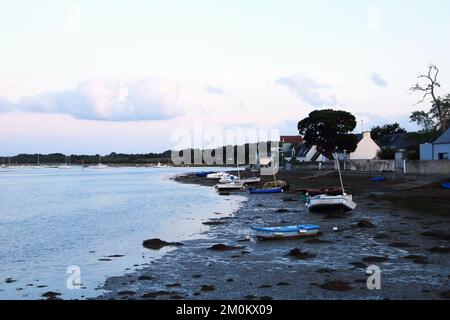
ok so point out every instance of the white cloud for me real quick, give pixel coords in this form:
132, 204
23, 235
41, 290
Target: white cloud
378, 79
99, 99
215, 90
5, 105
308, 90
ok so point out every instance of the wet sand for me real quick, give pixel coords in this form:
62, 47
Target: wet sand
401, 225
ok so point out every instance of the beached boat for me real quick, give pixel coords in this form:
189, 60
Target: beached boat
202, 174
216, 175
251, 180
228, 178
234, 185
446, 185
377, 179
288, 232
265, 190
323, 202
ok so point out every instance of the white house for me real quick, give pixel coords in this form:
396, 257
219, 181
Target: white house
366, 149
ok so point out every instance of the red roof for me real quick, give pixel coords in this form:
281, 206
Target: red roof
291, 139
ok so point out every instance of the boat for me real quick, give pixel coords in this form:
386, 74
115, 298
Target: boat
202, 174
234, 185
377, 179
66, 165
251, 180
216, 175
276, 184
287, 232
326, 202
160, 166
265, 190
100, 165
228, 178
446, 185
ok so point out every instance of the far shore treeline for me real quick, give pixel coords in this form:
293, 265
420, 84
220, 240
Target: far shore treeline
118, 158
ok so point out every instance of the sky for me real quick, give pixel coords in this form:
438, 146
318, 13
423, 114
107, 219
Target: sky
148, 76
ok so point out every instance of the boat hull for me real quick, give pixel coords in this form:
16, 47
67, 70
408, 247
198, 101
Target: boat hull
285, 233
330, 203
265, 191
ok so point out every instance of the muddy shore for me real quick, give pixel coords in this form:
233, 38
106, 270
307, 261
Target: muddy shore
401, 225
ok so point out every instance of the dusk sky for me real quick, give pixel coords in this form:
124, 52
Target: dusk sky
104, 76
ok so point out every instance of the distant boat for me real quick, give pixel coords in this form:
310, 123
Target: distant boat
265, 190
159, 166
216, 175
66, 165
377, 179
288, 232
251, 180
100, 165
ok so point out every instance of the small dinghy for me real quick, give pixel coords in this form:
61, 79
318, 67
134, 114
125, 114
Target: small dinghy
234, 185
202, 174
288, 232
265, 190
251, 180
324, 202
377, 179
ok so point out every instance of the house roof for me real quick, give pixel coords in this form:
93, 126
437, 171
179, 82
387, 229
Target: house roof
398, 140
302, 150
444, 138
291, 139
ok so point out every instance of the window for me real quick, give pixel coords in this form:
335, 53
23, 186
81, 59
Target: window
443, 156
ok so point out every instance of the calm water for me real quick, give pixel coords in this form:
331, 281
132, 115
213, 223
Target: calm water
52, 218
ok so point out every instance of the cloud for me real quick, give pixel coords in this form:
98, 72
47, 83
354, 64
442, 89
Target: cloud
307, 89
99, 99
215, 90
378, 79
5, 105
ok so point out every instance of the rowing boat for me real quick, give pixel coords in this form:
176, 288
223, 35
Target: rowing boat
287, 232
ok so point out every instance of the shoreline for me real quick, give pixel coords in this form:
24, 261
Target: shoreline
411, 248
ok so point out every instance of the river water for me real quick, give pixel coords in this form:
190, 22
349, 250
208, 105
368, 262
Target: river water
52, 220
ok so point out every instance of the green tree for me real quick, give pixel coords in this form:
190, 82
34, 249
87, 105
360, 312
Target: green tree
377, 132
386, 153
329, 130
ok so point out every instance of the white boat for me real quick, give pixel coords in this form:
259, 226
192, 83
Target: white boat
343, 202
322, 202
251, 180
234, 185
159, 166
226, 178
66, 165
216, 175
100, 165
288, 232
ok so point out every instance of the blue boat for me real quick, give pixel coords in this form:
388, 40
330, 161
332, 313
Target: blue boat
287, 232
268, 190
446, 185
203, 174
377, 179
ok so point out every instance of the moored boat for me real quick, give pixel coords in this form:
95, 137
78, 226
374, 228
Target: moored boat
234, 185
286, 232
323, 202
265, 190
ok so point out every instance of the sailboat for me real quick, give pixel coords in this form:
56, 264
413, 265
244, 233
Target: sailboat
38, 166
100, 165
232, 184
66, 165
275, 186
342, 202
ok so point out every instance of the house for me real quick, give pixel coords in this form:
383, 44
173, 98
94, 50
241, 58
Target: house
305, 153
437, 150
366, 149
289, 144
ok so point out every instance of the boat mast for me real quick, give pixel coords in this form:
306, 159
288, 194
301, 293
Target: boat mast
38, 160
339, 170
